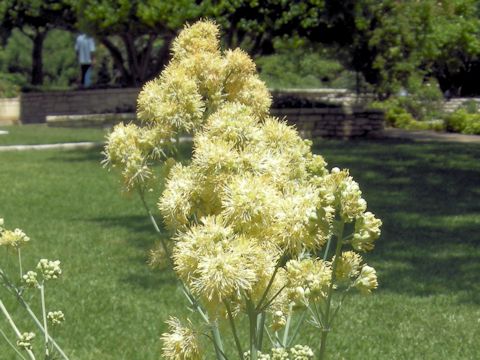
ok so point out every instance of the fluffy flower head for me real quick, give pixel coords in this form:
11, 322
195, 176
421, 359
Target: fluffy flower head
367, 281
181, 342
15, 238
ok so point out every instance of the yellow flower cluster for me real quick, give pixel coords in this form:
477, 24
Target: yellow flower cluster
255, 207
25, 340
198, 81
131, 148
56, 317
298, 352
254, 192
14, 239
308, 279
49, 269
181, 342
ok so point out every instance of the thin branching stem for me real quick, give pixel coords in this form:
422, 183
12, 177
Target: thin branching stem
297, 328
215, 332
234, 330
18, 294
327, 321
220, 352
14, 327
335, 312
287, 326
265, 294
327, 248
265, 328
11, 345
252, 317
44, 314
273, 298
260, 325
20, 263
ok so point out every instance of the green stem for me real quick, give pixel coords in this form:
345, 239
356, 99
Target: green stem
11, 345
218, 342
14, 327
217, 350
260, 327
215, 331
297, 328
156, 227
44, 314
272, 299
327, 320
287, 326
20, 263
252, 317
265, 294
265, 328
234, 330
340, 303
325, 255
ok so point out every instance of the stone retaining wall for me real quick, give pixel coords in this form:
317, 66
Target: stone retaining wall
313, 122
334, 122
453, 104
36, 106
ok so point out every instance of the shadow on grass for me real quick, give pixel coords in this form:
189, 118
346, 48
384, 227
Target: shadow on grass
151, 279
427, 195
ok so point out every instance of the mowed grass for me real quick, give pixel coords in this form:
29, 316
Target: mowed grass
428, 258
42, 134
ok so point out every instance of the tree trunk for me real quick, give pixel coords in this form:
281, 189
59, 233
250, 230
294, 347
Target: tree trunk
37, 61
117, 59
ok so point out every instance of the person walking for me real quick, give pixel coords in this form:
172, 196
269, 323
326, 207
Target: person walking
85, 49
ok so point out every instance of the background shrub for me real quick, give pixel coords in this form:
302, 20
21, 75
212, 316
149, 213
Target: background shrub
463, 122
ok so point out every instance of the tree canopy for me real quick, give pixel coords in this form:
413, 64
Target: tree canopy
388, 43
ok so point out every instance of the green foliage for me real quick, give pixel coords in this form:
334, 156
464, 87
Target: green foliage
470, 106
463, 122
396, 115
298, 65
415, 107
61, 69
136, 33
10, 85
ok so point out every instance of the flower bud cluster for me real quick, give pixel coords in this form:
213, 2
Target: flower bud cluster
30, 279
25, 340
56, 317
298, 352
15, 238
367, 281
49, 269
308, 279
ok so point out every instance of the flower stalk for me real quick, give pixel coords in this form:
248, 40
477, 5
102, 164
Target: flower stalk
326, 328
14, 327
44, 315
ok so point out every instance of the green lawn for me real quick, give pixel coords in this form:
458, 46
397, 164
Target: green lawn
428, 258
42, 134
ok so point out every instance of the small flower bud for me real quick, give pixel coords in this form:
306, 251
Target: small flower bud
49, 269
25, 341
56, 317
30, 279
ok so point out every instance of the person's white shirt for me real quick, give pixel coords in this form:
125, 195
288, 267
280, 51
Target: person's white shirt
84, 46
